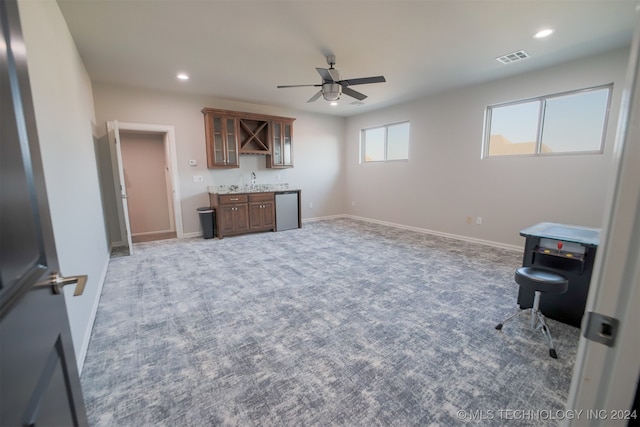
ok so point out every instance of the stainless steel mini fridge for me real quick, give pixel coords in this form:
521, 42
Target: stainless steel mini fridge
287, 210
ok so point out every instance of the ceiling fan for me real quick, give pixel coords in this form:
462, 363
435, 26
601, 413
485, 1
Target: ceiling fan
332, 87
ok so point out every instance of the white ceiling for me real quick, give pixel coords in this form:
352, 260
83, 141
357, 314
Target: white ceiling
241, 49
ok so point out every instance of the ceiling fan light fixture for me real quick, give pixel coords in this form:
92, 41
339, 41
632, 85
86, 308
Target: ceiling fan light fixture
332, 87
331, 91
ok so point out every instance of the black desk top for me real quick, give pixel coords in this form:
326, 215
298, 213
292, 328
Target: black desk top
568, 233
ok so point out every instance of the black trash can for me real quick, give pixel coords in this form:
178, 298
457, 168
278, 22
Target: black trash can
207, 221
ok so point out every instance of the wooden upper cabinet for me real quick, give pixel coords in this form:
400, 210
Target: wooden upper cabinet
254, 136
231, 133
281, 144
221, 133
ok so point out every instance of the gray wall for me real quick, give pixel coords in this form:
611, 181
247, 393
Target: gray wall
317, 149
445, 181
442, 184
64, 113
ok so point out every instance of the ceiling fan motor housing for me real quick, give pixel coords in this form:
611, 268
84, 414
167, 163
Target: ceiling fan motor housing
331, 91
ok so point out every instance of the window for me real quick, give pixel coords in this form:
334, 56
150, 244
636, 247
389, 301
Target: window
572, 122
385, 143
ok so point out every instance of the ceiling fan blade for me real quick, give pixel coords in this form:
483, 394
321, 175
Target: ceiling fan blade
280, 87
316, 96
362, 81
353, 93
326, 74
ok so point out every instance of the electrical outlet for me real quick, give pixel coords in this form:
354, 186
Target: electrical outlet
479, 220
197, 178
353, 203
278, 177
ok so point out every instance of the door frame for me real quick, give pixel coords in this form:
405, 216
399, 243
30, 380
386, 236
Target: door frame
113, 134
605, 379
171, 157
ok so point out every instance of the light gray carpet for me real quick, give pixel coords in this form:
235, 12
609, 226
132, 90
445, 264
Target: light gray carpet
341, 322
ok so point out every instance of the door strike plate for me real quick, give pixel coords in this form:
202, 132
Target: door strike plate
601, 328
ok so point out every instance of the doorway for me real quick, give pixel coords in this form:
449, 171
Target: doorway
148, 186
144, 163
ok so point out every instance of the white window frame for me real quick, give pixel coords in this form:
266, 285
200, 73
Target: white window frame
538, 143
363, 142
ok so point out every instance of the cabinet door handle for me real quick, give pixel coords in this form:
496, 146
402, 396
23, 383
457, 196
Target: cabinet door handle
234, 199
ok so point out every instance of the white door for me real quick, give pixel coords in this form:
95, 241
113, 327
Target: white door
605, 377
121, 189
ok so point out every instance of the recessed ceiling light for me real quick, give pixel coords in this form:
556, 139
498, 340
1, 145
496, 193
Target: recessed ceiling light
543, 33
183, 76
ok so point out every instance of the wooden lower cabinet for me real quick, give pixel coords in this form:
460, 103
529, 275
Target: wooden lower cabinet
243, 213
261, 212
233, 219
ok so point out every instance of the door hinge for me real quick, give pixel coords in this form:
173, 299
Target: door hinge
601, 328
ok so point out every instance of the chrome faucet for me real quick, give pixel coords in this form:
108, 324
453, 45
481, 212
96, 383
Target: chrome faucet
253, 180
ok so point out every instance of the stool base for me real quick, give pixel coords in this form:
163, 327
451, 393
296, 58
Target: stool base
538, 322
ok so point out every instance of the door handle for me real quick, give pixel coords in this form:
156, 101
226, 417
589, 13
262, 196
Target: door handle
57, 282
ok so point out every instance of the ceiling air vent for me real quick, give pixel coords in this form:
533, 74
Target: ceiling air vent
513, 57
357, 103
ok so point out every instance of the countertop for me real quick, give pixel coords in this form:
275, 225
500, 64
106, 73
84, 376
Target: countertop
569, 233
258, 188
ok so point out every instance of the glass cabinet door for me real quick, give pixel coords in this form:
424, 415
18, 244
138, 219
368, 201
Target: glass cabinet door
232, 153
277, 144
222, 142
218, 142
287, 145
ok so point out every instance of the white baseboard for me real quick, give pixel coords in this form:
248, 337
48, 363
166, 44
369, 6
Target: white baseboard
425, 231
323, 218
184, 236
146, 233
92, 318
192, 234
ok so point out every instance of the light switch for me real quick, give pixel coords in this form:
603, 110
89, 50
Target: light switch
193, 163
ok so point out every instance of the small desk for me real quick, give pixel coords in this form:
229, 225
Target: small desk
568, 250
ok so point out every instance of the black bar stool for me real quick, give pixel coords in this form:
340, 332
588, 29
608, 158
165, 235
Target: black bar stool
539, 281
